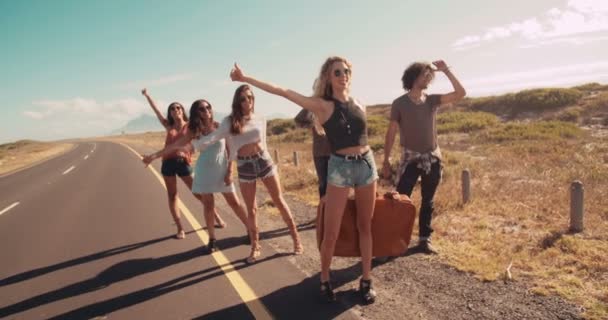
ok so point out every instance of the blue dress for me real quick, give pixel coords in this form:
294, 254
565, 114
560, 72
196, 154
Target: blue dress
210, 170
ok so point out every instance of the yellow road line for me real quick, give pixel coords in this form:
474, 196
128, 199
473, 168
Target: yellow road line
249, 297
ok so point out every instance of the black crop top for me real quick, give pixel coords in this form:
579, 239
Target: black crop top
346, 127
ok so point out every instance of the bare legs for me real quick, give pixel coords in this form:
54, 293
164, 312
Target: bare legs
248, 190
274, 189
171, 183
218, 220
334, 210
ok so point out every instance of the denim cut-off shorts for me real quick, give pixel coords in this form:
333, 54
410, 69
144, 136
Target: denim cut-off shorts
257, 166
352, 171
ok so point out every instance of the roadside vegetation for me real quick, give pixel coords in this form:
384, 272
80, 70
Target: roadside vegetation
23, 153
523, 150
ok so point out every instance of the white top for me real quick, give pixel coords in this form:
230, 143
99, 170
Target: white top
254, 130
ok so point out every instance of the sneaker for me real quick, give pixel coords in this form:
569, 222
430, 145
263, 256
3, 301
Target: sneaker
368, 294
211, 247
424, 246
327, 292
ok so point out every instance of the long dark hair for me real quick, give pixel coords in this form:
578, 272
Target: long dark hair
236, 117
196, 124
170, 117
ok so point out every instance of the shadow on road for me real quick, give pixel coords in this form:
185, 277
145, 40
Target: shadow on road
119, 272
74, 262
111, 305
301, 300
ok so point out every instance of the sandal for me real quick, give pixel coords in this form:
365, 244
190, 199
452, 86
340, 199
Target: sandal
254, 255
368, 294
327, 292
180, 235
211, 247
298, 249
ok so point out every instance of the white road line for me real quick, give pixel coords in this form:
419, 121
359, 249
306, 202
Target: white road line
9, 207
68, 170
86, 157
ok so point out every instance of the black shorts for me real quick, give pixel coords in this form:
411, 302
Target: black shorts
175, 166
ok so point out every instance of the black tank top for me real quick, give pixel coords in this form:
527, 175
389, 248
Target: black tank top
346, 127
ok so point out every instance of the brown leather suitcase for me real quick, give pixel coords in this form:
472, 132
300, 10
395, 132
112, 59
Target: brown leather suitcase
394, 216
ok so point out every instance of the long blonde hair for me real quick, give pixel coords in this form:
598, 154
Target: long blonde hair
322, 86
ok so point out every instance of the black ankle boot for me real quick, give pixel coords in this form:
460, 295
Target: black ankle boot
368, 294
327, 293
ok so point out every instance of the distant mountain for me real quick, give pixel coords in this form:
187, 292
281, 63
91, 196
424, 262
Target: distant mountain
146, 123
143, 123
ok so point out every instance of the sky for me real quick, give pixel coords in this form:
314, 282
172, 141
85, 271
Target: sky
71, 69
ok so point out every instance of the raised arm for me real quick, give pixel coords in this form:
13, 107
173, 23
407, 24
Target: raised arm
458, 92
313, 104
152, 104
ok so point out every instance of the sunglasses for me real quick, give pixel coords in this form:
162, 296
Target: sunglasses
206, 107
175, 108
247, 97
338, 72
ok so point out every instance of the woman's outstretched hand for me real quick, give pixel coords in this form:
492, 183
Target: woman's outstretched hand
147, 159
144, 91
236, 74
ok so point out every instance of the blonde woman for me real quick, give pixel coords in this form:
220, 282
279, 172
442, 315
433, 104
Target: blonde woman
351, 164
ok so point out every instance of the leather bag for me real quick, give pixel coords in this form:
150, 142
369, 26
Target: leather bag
392, 225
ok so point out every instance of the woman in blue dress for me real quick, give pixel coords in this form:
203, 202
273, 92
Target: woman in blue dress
212, 172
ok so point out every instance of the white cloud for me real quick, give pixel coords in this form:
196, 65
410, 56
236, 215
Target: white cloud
579, 18
139, 84
34, 114
82, 117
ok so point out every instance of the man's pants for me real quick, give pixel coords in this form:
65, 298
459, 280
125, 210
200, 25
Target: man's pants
429, 183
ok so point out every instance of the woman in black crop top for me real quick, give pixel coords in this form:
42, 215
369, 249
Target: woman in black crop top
351, 164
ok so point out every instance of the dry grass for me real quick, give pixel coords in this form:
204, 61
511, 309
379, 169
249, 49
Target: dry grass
23, 153
519, 212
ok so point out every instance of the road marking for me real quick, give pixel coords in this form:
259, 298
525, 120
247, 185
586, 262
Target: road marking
68, 170
9, 207
86, 157
243, 289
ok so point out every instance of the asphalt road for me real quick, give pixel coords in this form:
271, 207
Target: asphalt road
88, 235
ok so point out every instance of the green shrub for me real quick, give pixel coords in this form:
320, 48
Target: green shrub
543, 130
534, 100
599, 103
593, 86
280, 126
377, 125
297, 135
570, 115
465, 121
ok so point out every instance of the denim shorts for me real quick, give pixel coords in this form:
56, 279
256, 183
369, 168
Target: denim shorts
352, 171
176, 166
257, 166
